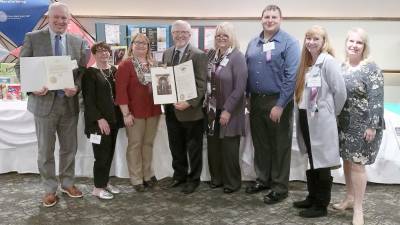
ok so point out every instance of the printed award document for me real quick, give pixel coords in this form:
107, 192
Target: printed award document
185, 82
54, 72
173, 84
163, 84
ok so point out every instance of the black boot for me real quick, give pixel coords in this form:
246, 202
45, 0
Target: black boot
322, 195
307, 203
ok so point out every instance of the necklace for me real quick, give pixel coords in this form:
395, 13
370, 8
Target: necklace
106, 77
105, 74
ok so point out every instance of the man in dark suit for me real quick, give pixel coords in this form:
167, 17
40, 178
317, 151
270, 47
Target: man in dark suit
56, 111
185, 119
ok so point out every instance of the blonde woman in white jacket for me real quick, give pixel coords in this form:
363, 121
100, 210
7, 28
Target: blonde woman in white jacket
319, 96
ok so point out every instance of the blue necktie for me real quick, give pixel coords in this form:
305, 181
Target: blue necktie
57, 46
58, 52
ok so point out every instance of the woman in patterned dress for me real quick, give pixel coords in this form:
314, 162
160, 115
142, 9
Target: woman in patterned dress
361, 121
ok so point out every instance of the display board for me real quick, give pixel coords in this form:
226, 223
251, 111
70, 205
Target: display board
160, 36
384, 35
113, 34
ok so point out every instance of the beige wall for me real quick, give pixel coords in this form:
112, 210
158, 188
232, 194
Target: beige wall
236, 8
384, 34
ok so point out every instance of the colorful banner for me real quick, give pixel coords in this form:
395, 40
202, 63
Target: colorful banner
18, 17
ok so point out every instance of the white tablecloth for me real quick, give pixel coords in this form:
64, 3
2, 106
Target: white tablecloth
18, 150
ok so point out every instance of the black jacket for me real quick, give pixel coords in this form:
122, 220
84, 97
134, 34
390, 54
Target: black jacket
98, 100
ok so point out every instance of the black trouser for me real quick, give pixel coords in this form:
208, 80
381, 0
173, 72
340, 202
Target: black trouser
103, 155
306, 134
272, 142
185, 141
319, 180
223, 158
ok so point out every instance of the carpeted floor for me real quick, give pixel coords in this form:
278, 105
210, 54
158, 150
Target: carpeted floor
20, 204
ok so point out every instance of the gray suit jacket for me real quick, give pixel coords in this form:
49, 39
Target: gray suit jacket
200, 61
38, 43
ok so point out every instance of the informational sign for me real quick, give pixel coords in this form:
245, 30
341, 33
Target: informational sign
22, 14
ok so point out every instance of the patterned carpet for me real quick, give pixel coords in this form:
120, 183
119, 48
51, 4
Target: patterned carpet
20, 204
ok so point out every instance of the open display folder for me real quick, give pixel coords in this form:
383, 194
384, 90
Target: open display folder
173, 84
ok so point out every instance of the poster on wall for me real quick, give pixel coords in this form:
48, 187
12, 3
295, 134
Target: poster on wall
112, 34
158, 36
117, 54
162, 39
194, 39
209, 33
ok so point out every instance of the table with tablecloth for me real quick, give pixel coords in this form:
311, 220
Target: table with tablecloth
18, 149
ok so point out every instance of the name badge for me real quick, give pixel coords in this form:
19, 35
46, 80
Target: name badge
224, 62
314, 81
95, 138
147, 77
268, 46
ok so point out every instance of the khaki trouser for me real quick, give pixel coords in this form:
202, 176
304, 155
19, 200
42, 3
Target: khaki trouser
139, 153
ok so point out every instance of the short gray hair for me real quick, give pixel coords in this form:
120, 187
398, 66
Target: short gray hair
54, 5
181, 23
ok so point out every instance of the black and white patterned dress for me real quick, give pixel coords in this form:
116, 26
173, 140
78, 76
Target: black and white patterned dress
363, 109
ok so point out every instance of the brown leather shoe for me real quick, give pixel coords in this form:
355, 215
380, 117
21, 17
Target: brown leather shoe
72, 192
49, 199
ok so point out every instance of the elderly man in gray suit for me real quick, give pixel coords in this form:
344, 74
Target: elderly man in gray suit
184, 120
56, 111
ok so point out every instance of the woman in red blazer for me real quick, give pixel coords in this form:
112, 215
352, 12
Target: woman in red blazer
141, 116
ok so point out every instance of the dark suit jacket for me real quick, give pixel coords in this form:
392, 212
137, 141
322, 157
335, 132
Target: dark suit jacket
200, 61
98, 101
38, 43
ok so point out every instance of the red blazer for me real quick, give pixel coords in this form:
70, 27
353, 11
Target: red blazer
131, 92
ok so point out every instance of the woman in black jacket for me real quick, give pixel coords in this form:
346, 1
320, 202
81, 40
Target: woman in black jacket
102, 117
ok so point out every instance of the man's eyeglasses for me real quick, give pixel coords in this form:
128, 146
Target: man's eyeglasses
178, 32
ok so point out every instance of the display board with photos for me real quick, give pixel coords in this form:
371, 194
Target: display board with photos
158, 36
114, 35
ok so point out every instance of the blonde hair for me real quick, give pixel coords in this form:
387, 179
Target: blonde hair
228, 29
306, 58
149, 56
364, 37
